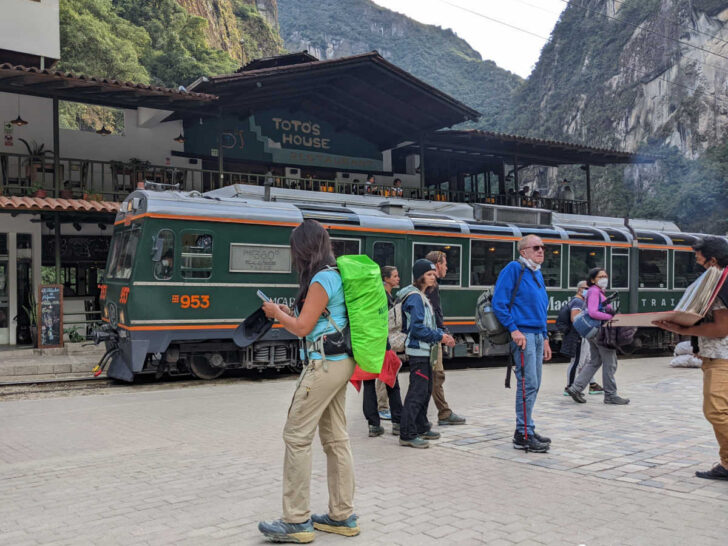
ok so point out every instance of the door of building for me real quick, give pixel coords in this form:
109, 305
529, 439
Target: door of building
4, 302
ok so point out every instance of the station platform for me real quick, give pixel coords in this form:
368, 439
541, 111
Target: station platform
72, 360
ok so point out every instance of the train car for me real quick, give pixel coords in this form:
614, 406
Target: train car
184, 268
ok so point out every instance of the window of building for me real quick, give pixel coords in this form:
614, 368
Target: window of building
453, 255
551, 267
164, 268
342, 246
653, 268
487, 258
687, 269
619, 277
196, 255
3, 244
383, 253
581, 260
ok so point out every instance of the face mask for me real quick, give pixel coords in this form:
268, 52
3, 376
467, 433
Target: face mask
603, 283
531, 264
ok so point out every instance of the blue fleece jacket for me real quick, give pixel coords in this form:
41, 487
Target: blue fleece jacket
528, 313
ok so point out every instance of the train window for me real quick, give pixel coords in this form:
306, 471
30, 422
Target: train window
383, 253
551, 267
487, 258
653, 269
251, 258
164, 267
619, 276
122, 261
686, 269
345, 246
453, 255
196, 255
581, 260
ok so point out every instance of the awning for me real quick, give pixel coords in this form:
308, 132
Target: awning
50, 204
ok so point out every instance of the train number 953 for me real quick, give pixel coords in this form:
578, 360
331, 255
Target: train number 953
194, 301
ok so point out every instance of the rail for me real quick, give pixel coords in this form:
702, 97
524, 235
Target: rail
79, 178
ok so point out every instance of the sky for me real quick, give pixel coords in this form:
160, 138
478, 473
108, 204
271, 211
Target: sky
512, 49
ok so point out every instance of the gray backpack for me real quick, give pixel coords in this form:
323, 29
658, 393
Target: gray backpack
485, 318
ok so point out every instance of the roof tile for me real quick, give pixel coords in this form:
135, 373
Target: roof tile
60, 205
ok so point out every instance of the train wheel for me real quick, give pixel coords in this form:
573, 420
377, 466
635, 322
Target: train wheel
202, 369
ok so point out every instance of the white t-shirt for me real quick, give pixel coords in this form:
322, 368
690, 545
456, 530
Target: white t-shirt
714, 347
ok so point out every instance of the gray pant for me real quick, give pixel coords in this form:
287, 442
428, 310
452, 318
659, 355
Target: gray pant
599, 356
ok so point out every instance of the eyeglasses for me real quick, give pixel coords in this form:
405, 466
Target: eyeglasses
536, 247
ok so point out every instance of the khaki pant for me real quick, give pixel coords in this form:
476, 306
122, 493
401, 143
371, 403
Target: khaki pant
438, 392
319, 402
715, 401
382, 396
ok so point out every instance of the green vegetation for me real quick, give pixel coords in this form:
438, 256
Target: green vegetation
336, 28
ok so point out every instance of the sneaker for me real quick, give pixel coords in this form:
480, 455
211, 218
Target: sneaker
375, 430
430, 435
576, 395
542, 439
415, 442
718, 472
385, 415
453, 419
616, 400
566, 391
395, 429
347, 527
595, 388
532, 444
280, 531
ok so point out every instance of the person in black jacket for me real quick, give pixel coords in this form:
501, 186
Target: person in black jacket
445, 415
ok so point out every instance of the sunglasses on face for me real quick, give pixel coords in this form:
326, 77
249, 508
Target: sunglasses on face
537, 247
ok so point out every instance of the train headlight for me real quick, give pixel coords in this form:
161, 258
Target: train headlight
122, 317
106, 311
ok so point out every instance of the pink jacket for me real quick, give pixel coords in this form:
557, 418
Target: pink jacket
594, 297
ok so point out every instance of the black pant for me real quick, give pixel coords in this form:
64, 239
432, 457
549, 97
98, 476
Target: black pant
371, 411
414, 413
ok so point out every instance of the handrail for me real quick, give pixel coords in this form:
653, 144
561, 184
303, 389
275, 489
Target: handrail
21, 174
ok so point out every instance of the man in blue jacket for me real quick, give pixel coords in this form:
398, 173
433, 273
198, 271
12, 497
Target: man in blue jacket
526, 321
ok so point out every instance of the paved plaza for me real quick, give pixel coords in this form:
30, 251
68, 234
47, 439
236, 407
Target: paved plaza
202, 465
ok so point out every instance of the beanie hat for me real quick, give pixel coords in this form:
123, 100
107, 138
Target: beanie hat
421, 267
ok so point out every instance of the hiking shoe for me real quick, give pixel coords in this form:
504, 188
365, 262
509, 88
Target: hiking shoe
386, 415
430, 435
595, 388
616, 400
375, 430
280, 531
518, 437
415, 442
347, 527
452, 419
542, 439
532, 444
576, 395
718, 472
395, 429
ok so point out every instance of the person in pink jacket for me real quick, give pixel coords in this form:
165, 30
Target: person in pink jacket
598, 281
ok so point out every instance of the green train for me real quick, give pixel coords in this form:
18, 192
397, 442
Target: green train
184, 268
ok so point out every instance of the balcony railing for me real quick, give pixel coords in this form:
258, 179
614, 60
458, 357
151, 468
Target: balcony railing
113, 180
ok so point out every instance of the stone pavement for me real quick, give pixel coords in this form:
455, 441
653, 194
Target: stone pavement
74, 359
202, 465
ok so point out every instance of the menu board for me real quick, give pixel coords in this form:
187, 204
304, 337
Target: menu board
50, 315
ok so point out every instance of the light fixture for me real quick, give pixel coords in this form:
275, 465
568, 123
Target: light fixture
77, 226
103, 131
180, 139
19, 122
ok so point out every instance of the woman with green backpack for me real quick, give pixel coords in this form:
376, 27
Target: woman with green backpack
319, 401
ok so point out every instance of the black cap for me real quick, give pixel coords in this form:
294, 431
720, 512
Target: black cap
252, 328
421, 267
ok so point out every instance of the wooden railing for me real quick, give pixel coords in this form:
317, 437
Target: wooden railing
21, 174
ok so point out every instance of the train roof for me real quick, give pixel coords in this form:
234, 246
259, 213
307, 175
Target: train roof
291, 207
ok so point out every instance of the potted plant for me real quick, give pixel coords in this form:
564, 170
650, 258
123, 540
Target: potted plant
34, 162
32, 311
36, 190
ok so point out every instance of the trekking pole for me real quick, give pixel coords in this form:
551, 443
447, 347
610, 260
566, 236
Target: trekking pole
523, 392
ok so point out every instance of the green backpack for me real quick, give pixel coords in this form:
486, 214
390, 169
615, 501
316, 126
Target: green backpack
366, 305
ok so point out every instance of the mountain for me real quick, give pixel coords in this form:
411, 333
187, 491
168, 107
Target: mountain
336, 28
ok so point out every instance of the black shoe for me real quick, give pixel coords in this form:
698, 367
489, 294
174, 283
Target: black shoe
375, 430
718, 472
532, 444
576, 395
542, 439
616, 400
430, 435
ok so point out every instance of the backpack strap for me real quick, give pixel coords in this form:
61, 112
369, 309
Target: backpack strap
509, 368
